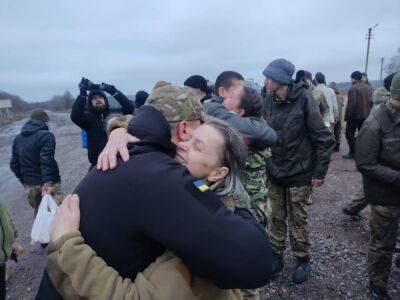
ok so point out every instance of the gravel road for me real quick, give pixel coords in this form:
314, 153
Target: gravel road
339, 243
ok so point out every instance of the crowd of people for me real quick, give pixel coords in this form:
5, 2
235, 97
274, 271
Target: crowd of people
192, 190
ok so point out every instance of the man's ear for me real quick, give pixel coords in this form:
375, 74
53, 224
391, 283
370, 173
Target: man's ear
218, 174
240, 112
182, 130
221, 92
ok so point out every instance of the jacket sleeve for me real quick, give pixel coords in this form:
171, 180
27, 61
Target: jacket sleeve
14, 162
231, 250
321, 137
350, 105
89, 275
368, 147
78, 113
126, 105
256, 131
48, 164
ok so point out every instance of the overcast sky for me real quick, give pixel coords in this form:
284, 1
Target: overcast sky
47, 46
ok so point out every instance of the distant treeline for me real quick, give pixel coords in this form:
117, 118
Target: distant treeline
56, 103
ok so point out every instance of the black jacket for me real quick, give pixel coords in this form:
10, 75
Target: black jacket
304, 144
378, 157
132, 214
32, 159
93, 120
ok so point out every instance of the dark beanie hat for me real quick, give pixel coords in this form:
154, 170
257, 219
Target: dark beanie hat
307, 75
39, 115
140, 98
387, 82
356, 75
196, 82
280, 70
300, 75
320, 78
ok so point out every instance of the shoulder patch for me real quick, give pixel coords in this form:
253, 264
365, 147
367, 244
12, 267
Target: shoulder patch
201, 185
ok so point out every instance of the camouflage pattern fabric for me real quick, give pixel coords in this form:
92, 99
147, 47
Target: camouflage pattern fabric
253, 294
384, 221
324, 108
357, 202
253, 180
177, 103
118, 122
34, 195
289, 211
380, 95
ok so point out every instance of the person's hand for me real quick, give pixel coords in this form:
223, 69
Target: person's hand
67, 218
317, 182
84, 85
17, 249
117, 143
47, 189
108, 88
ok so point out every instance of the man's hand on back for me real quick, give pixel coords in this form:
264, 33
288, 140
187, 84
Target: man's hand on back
117, 143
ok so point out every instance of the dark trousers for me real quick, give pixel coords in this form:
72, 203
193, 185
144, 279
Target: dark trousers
351, 127
337, 131
2, 281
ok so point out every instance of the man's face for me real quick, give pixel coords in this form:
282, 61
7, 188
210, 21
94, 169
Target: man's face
98, 101
270, 85
232, 94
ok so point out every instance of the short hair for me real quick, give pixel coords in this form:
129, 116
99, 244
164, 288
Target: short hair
225, 80
251, 102
196, 82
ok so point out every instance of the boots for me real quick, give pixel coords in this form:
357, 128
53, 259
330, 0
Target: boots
302, 271
378, 293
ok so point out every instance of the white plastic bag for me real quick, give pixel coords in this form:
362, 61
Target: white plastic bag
41, 227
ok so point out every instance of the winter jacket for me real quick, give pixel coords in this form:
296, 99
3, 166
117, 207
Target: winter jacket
378, 156
152, 204
93, 120
7, 234
88, 276
32, 159
359, 101
330, 99
304, 144
258, 133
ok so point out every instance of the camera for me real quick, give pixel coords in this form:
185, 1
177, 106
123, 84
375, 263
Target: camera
95, 87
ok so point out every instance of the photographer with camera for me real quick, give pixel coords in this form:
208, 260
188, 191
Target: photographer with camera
91, 118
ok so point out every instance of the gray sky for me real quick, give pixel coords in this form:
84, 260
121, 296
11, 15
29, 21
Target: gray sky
47, 46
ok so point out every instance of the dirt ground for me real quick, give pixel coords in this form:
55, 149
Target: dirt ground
339, 243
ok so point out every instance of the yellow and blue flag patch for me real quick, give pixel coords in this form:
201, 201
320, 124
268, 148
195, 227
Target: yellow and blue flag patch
201, 185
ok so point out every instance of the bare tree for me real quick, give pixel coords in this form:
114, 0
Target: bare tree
394, 64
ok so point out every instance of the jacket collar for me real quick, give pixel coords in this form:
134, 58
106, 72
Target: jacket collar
384, 118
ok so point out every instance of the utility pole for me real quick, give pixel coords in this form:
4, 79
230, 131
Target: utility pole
369, 37
382, 59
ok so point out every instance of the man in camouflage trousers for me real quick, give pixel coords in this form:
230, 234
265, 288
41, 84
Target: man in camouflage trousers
33, 162
358, 201
300, 160
378, 160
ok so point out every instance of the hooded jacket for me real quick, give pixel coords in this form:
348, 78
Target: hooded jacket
259, 134
32, 159
304, 144
378, 157
152, 204
92, 120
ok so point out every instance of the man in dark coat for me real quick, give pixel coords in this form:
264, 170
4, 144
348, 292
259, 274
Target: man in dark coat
378, 160
300, 159
359, 105
92, 119
32, 160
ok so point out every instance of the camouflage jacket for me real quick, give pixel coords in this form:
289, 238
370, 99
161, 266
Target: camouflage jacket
380, 95
322, 104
